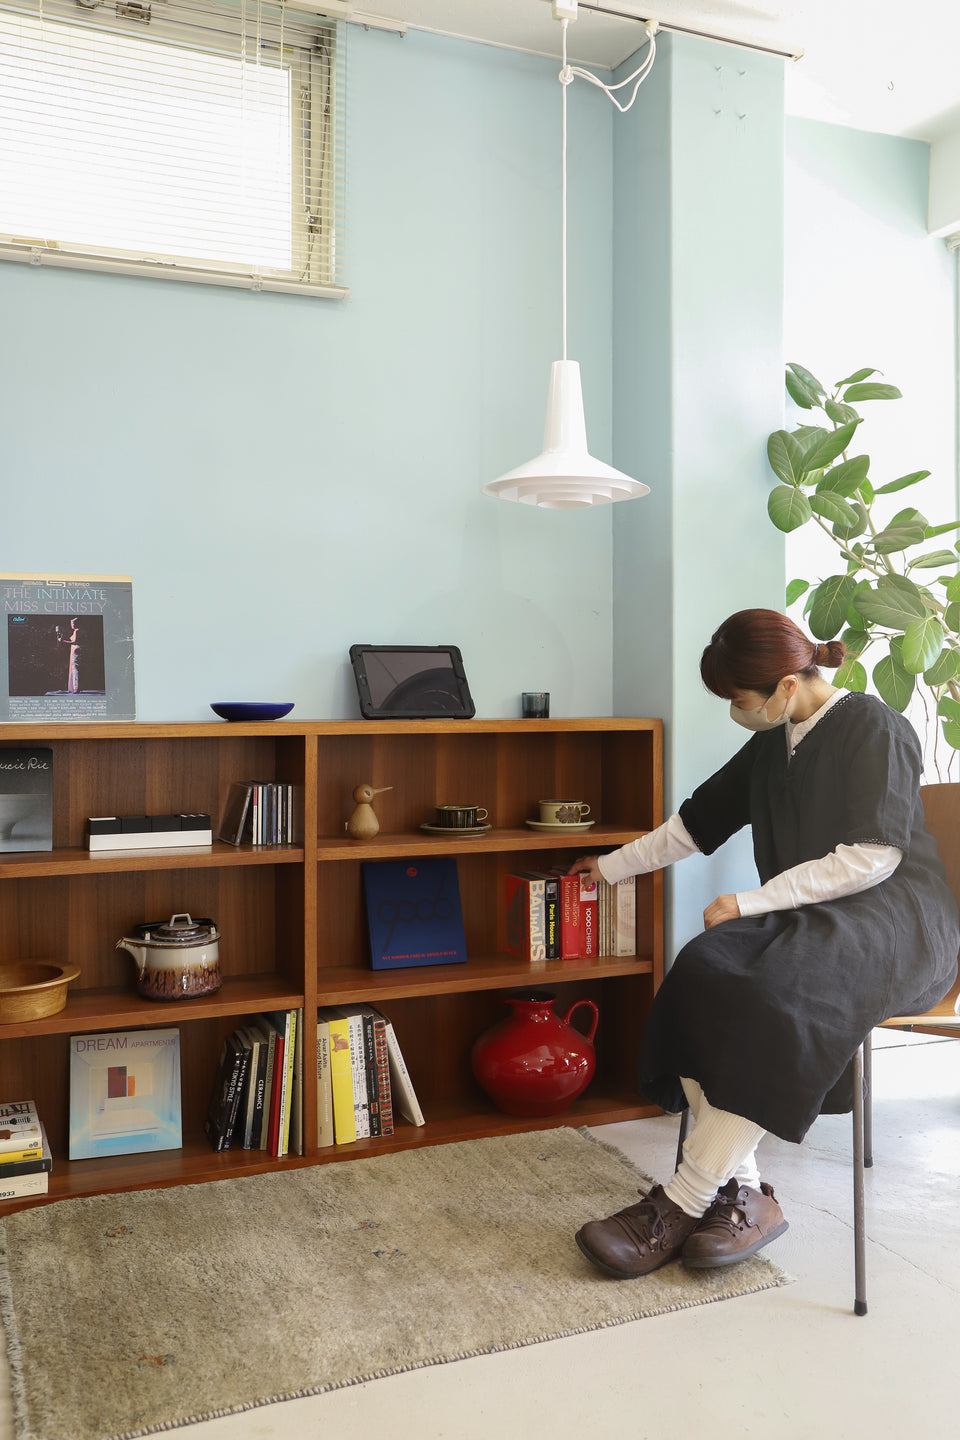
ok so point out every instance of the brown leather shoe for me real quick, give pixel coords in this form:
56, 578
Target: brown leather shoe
739, 1223
639, 1239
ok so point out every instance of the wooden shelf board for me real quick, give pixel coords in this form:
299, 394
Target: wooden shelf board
448, 1123
341, 984
32, 864
193, 1164
397, 846
196, 1163
124, 1009
286, 729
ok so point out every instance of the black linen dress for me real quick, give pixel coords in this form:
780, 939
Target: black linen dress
766, 1012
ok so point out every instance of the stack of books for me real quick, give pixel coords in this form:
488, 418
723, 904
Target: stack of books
361, 1076
555, 916
25, 1159
258, 813
257, 1097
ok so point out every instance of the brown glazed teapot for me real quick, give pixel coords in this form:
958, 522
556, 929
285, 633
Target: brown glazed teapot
177, 959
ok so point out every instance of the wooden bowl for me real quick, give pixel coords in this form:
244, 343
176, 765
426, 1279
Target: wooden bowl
30, 989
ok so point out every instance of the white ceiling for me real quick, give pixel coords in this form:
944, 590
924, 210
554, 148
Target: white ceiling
867, 63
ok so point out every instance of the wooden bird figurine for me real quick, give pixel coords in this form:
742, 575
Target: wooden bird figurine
363, 823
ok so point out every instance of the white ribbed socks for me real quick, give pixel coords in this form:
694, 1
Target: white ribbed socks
719, 1148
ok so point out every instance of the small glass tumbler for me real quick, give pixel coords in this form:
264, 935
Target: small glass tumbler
535, 704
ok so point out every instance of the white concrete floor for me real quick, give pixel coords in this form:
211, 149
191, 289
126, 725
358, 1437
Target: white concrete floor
789, 1364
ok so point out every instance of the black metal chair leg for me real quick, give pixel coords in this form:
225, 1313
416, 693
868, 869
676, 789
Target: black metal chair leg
859, 1237
868, 1102
684, 1123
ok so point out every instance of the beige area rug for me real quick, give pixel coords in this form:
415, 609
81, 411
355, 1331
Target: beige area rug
135, 1313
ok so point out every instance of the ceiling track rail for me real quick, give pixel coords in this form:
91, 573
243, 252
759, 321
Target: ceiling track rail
687, 30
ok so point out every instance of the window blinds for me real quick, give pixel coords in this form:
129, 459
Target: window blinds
196, 141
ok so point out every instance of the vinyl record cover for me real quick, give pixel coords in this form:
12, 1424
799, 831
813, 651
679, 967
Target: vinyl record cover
26, 799
413, 913
66, 647
124, 1093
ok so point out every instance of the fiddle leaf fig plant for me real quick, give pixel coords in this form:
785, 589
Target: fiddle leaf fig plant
895, 599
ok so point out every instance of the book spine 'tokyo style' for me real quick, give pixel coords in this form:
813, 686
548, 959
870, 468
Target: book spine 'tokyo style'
224, 1094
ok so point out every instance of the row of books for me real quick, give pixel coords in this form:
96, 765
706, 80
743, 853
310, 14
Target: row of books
361, 1076
256, 1101
555, 916
25, 1158
258, 813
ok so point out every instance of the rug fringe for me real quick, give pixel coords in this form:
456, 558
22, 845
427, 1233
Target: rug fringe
8, 1318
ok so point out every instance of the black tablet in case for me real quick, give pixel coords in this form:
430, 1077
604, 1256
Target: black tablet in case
411, 682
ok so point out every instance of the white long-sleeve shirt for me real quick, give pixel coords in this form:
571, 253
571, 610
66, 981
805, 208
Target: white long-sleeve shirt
847, 870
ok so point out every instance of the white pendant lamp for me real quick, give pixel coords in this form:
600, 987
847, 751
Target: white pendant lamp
565, 476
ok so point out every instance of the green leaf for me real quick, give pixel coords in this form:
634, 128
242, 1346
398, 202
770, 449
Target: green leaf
795, 589
934, 530
933, 559
951, 617
872, 391
839, 413
832, 508
951, 733
948, 708
867, 492
788, 508
857, 375
922, 643
845, 531
851, 675
953, 588
945, 667
806, 378
832, 445
800, 393
829, 609
890, 606
894, 684
901, 533
855, 641
912, 479
845, 478
786, 457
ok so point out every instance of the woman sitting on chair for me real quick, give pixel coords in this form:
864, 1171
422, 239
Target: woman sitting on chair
757, 1022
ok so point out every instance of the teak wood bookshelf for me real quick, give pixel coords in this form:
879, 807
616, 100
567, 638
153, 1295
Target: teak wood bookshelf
292, 920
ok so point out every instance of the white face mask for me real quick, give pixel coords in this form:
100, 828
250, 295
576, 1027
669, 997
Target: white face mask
758, 719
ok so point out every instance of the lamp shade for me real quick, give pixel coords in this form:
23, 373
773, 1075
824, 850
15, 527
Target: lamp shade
565, 476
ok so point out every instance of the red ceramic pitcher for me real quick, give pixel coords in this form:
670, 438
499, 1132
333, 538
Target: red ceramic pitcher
534, 1062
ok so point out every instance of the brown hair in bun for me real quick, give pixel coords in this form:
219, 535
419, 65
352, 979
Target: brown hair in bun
754, 649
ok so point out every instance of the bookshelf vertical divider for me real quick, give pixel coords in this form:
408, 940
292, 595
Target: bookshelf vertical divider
292, 920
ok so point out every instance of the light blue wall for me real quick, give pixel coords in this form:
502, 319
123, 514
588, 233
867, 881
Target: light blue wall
698, 289
284, 476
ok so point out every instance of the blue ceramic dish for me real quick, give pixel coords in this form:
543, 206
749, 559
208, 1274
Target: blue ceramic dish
251, 709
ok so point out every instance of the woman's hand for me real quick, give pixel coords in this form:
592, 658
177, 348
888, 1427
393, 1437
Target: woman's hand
586, 865
725, 907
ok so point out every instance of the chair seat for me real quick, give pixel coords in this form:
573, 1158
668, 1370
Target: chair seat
941, 1019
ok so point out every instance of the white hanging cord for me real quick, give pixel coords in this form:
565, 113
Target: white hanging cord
638, 76
563, 192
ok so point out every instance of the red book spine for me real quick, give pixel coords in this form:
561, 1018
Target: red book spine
588, 918
569, 916
273, 1135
